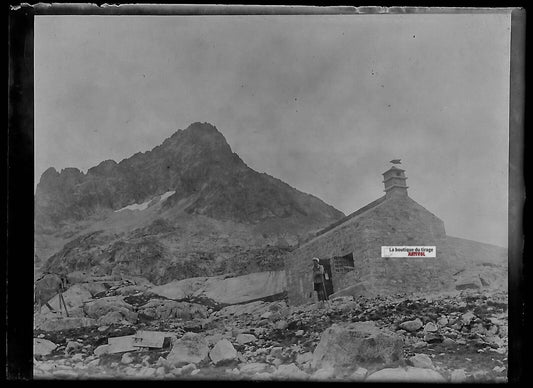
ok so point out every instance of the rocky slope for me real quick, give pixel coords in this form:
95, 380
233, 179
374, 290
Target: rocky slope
187, 206
454, 337
476, 265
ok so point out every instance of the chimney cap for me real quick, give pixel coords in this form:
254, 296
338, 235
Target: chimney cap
393, 168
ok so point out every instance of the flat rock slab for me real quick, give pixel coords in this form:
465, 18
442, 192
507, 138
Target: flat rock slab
179, 289
151, 339
228, 290
355, 343
246, 288
121, 344
409, 374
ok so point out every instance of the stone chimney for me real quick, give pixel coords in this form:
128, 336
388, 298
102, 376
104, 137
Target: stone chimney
394, 180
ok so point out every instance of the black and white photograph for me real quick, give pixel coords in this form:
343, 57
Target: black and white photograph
272, 197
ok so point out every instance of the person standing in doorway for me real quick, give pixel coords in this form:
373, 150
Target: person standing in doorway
318, 279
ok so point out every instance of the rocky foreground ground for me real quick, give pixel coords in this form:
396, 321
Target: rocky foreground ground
453, 337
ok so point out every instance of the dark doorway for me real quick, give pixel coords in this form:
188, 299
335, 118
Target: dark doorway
328, 282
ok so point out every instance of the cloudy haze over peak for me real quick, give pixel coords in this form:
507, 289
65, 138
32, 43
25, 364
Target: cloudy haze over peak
320, 102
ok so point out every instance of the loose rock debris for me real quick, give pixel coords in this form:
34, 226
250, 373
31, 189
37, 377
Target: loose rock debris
456, 337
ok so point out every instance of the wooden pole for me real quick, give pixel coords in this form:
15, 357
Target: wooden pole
324, 287
61, 299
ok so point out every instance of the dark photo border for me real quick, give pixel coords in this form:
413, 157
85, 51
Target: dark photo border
19, 168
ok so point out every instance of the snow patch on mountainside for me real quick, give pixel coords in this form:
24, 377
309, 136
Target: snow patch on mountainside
144, 205
166, 195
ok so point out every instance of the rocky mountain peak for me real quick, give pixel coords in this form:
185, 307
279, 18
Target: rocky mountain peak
51, 179
104, 168
50, 172
201, 140
197, 164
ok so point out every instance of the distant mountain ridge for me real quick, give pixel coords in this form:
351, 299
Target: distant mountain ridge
197, 163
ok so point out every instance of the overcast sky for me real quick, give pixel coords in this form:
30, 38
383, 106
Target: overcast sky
321, 102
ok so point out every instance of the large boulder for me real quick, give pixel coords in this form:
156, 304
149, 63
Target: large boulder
495, 278
355, 343
359, 374
74, 297
407, 375
246, 288
256, 308
421, 360
102, 349
179, 289
226, 289
42, 347
468, 281
95, 287
72, 347
165, 309
430, 328
78, 277
304, 358
467, 317
131, 289
47, 314
191, 348
111, 318
413, 325
246, 338
139, 281
101, 307
222, 352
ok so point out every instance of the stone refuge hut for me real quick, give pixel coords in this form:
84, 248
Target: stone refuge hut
350, 249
